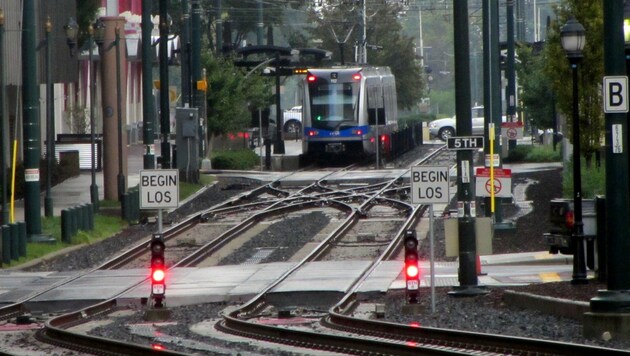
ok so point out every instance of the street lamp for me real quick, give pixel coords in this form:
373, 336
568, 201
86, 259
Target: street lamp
573, 38
72, 30
98, 30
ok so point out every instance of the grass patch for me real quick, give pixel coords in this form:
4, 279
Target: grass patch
533, 153
593, 180
104, 227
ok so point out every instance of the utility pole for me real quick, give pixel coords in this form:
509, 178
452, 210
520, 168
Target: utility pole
612, 305
511, 75
467, 275
148, 117
196, 72
165, 119
30, 109
4, 127
492, 87
185, 55
219, 27
259, 24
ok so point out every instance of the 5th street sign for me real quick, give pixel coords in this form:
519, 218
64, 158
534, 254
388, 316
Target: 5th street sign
465, 143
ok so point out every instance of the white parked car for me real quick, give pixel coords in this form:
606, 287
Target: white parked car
445, 128
293, 120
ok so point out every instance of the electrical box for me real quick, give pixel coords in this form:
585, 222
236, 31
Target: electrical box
187, 121
483, 234
187, 143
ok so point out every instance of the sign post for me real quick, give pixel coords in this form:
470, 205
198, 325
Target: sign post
430, 185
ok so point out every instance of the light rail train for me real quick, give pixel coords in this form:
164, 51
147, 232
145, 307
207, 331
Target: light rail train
341, 109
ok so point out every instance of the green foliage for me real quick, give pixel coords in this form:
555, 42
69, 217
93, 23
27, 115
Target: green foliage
231, 94
384, 29
242, 159
590, 71
535, 84
443, 102
593, 180
86, 14
531, 153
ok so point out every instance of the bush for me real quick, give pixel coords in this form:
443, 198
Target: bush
241, 159
530, 153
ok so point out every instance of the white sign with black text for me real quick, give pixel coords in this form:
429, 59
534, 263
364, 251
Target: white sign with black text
430, 184
159, 189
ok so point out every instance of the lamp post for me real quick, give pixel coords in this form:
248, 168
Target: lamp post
573, 38
96, 31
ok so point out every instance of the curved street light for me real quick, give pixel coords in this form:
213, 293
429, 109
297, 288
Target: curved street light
573, 38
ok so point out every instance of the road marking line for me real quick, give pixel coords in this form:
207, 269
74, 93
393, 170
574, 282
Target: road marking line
550, 277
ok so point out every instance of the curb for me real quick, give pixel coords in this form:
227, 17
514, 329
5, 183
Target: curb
549, 305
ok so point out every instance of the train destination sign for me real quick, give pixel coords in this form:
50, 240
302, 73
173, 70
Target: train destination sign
159, 189
430, 185
464, 142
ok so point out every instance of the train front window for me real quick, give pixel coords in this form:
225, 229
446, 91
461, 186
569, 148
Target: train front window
333, 104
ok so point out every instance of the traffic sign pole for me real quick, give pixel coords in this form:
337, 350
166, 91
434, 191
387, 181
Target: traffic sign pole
429, 185
491, 137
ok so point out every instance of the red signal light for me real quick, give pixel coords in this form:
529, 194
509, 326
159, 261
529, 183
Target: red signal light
412, 270
383, 138
158, 275
569, 219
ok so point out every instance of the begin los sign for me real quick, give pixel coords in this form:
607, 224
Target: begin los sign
159, 189
429, 185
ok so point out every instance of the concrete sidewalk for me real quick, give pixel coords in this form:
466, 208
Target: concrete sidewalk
76, 190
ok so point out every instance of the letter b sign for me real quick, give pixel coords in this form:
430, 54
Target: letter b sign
615, 94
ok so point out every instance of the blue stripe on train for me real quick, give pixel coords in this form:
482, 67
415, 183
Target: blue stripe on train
346, 132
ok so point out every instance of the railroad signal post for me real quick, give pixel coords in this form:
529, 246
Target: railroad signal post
159, 189
158, 270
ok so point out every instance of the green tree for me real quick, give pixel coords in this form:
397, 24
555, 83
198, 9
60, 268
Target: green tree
590, 72
231, 95
337, 23
243, 17
535, 84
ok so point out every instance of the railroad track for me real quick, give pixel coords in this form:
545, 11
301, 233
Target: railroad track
344, 333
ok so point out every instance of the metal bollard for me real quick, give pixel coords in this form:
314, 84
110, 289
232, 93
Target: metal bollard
74, 223
15, 255
124, 207
21, 238
6, 244
80, 217
89, 209
66, 226
135, 204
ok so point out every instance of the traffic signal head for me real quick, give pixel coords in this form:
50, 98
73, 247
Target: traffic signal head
158, 269
412, 268
411, 255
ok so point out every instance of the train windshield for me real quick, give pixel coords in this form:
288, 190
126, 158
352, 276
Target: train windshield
333, 104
